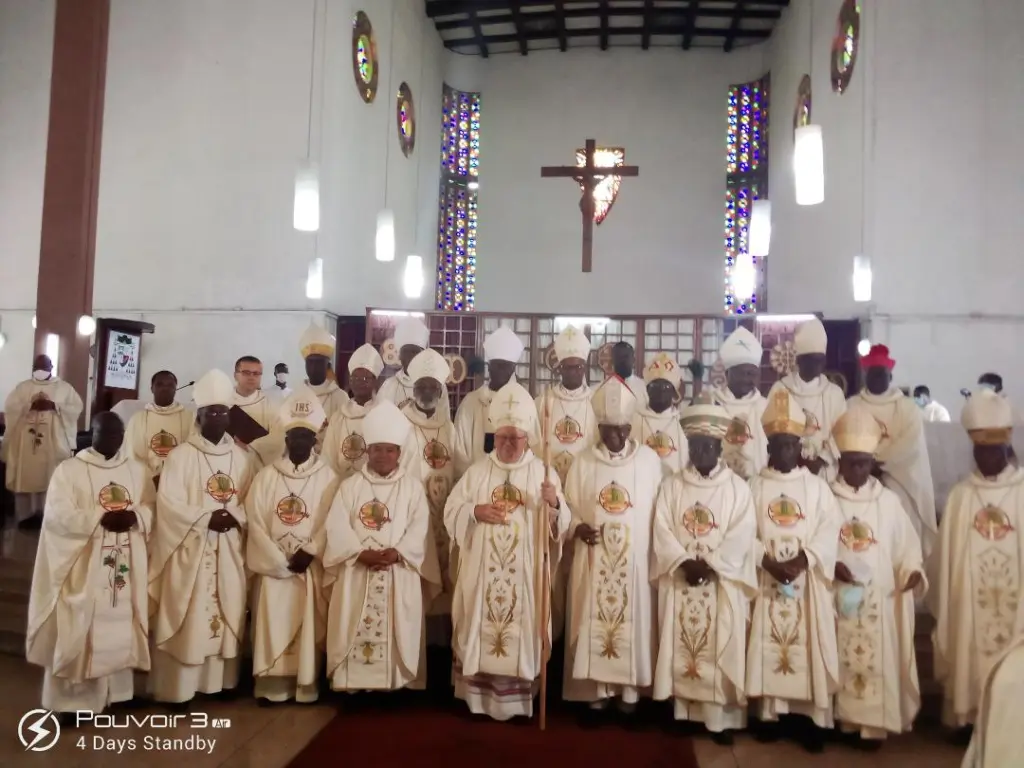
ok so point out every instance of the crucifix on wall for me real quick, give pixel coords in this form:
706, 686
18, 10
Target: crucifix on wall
592, 177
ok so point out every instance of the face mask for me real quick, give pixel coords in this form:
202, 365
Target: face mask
921, 401
989, 387
850, 598
40, 375
281, 378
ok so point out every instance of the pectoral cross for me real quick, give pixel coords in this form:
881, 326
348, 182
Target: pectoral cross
589, 175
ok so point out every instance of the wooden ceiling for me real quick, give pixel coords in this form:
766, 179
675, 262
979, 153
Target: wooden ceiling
486, 27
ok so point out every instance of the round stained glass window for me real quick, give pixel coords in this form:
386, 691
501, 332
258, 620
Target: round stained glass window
845, 45
364, 57
406, 114
802, 112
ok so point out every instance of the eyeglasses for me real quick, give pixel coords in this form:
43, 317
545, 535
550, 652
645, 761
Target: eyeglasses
250, 373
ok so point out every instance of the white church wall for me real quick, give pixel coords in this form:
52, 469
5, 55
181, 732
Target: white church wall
810, 266
206, 120
26, 57
660, 249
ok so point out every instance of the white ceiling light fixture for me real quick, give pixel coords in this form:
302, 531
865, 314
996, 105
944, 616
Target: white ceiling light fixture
315, 279
33, 322
306, 208
86, 325
784, 318
744, 278
809, 165
3, 339
862, 279
760, 233
863, 347
385, 242
412, 278
395, 313
597, 323
53, 351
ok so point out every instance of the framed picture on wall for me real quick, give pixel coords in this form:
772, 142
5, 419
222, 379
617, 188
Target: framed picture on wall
122, 365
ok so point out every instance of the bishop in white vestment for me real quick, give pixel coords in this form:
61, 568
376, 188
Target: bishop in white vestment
978, 571
792, 659
197, 575
381, 566
343, 445
746, 447
878, 570
260, 408
998, 740
317, 346
160, 426
821, 400
411, 338
656, 421
42, 422
474, 437
705, 530
88, 611
611, 491
286, 508
504, 514
902, 455
429, 455
624, 366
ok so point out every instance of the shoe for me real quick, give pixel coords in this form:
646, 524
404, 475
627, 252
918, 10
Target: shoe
33, 523
813, 740
723, 738
764, 732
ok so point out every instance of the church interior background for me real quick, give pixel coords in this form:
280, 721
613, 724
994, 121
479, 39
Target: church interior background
198, 181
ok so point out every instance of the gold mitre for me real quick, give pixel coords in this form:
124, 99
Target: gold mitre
511, 406
857, 431
783, 416
317, 341
705, 417
988, 418
663, 367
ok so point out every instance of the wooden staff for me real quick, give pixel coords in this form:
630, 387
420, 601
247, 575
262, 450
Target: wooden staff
545, 586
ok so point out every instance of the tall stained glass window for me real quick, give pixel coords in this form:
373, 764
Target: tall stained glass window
746, 181
457, 214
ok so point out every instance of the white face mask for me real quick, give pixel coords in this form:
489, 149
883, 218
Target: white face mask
989, 387
281, 378
40, 375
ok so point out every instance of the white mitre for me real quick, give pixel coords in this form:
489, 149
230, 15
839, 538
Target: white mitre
368, 358
810, 338
741, 348
988, 418
429, 364
317, 341
503, 344
857, 431
614, 402
512, 406
410, 331
214, 388
386, 424
302, 410
572, 342
663, 367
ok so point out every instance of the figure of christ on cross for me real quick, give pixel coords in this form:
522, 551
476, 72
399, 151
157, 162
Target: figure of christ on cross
589, 175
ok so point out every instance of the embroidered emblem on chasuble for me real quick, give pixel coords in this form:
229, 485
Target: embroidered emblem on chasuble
612, 605
699, 521
562, 464
291, 510
661, 444
374, 515
813, 426
353, 447
738, 432
992, 523
221, 487
435, 453
162, 442
857, 535
114, 498
568, 430
614, 499
785, 512
506, 497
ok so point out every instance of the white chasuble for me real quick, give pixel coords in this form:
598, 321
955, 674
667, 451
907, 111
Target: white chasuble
703, 629
903, 454
198, 577
429, 455
572, 426
398, 389
263, 410
497, 602
88, 610
332, 399
878, 684
37, 441
976, 586
343, 446
998, 740
823, 403
745, 448
286, 508
792, 660
376, 637
152, 433
662, 433
608, 650
471, 428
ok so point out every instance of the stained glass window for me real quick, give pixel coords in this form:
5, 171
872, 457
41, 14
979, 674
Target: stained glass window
607, 188
364, 57
746, 181
405, 114
457, 214
845, 45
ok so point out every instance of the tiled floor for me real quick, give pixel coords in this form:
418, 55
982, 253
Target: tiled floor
270, 738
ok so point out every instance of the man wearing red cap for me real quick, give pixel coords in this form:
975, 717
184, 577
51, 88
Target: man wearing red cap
902, 455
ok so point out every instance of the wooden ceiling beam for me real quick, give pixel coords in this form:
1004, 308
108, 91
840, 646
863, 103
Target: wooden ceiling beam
436, 8
691, 23
517, 19
645, 37
604, 24
563, 38
675, 30
734, 27
683, 14
478, 34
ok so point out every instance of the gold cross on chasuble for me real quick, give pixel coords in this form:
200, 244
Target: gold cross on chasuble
589, 176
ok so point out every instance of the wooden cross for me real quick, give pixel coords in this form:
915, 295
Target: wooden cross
588, 175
